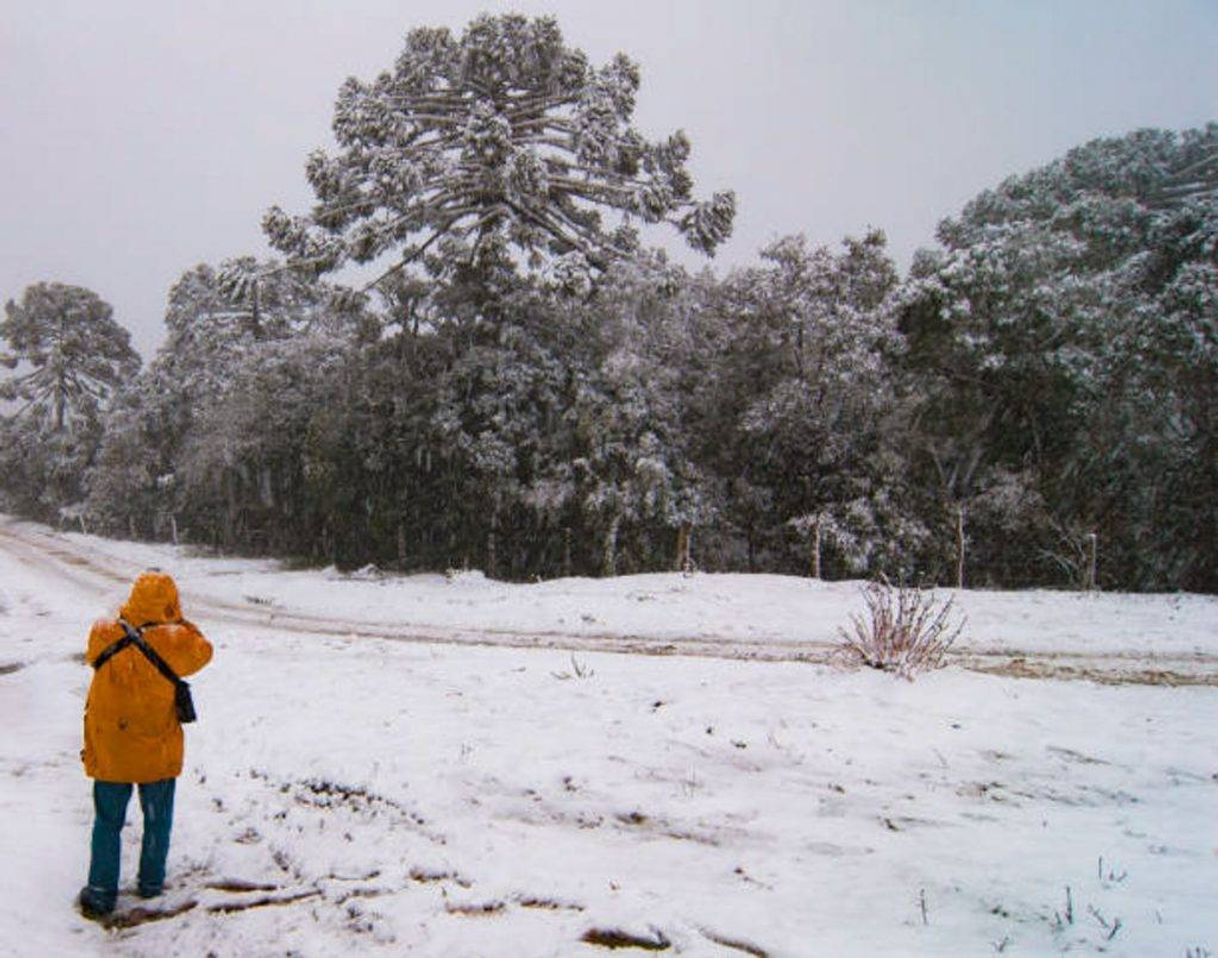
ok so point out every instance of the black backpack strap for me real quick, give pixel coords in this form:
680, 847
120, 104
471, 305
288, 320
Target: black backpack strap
110, 651
135, 638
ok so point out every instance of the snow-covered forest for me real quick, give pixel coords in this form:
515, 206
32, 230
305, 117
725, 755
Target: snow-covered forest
471, 352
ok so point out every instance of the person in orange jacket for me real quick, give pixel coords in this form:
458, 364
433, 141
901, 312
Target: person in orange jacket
132, 735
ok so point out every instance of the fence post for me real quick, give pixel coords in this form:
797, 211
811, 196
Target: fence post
1092, 560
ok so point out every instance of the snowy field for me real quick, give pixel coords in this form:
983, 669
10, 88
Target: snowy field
384, 765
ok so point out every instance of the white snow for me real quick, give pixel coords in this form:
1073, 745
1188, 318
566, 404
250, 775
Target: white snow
478, 800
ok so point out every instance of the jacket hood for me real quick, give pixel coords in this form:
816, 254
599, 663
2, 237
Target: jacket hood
153, 599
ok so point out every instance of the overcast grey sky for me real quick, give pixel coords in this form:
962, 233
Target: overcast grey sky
140, 137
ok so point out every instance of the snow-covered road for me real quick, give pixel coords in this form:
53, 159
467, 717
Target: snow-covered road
353, 794
1164, 640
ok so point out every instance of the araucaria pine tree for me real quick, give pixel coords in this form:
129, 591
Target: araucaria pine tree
67, 356
503, 139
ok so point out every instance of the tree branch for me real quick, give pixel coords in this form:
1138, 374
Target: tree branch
407, 260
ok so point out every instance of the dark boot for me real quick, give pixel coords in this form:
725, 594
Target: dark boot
95, 903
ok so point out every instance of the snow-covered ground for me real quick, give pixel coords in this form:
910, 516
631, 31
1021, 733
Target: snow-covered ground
348, 792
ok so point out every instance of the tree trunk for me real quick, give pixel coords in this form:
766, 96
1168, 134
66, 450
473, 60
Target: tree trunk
684, 535
61, 376
230, 511
609, 558
256, 312
960, 547
266, 487
492, 553
816, 550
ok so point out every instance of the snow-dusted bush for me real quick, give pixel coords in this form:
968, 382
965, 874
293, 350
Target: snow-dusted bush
904, 630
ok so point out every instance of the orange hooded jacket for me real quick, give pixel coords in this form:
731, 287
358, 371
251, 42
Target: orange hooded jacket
132, 733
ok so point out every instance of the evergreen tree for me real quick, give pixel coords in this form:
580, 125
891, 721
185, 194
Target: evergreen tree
625, 462
1058, 340
177, 450
802, 401
72, 353
503, 139
67, 356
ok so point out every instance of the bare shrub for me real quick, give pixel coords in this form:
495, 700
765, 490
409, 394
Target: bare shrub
904, 630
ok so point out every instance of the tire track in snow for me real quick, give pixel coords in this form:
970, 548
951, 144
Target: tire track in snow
96, 572
99, 573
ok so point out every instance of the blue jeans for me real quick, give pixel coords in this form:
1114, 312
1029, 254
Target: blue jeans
110, 813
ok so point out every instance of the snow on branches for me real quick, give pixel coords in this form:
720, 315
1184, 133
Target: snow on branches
502, 137
75, 354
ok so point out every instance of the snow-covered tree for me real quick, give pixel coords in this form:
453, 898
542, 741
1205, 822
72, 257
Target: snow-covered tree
243, 471
130, 484
159, 466
616, 471
67, 356
800, 404
1057, 338
501, 139
215, 315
